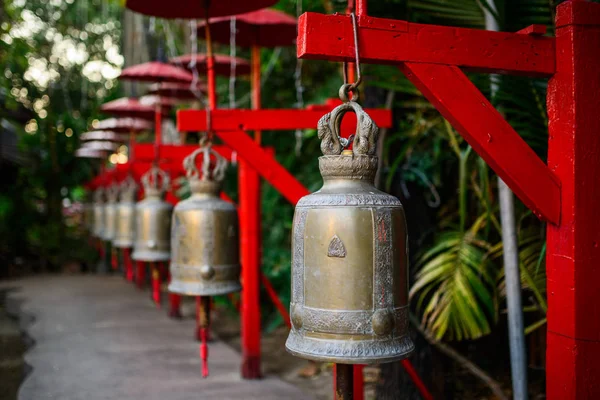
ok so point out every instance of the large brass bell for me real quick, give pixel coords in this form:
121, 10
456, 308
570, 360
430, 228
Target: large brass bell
349, 256
125, 229
98, 228
153, 219
205, 233
110, 213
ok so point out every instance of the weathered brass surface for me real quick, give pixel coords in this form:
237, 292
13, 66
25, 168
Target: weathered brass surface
153, 220
349, 257
88, 217
125, 230
98, 228
205, 234
110, 213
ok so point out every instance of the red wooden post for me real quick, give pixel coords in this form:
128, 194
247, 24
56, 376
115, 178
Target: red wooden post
250, 242
573, 258
249, 186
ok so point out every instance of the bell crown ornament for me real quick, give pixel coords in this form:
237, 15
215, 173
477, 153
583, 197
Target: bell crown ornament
128, 189
205, 232
155, 182
349, 256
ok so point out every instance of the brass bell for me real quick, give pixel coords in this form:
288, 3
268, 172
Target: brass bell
153, 219
204, 235
88, 216
110, 213
125, 228
98, 229
349, 256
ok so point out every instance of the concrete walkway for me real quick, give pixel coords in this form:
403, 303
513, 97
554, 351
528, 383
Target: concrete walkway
97, 337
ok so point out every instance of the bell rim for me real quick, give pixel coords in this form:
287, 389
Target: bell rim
293, 338
187, 289
122, 244
150, 257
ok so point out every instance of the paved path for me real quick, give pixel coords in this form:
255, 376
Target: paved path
97, 338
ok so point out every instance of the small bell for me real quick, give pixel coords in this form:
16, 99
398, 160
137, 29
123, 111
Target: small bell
98, 229
125, 229
349, 256
205, 233
110, 213
153, 219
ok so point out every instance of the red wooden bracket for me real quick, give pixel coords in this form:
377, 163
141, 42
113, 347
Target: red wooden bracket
467, 109
264, 164
270, 120
172, 153
388, 41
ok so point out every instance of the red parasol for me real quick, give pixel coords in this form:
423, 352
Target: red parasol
90, 153
123, 125
263, 28
129, 107
178, 90
196, 9
222, 64
156, 72
100, 145
109, 136
152, 100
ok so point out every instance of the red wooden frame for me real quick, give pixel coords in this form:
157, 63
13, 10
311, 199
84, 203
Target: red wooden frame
564, 192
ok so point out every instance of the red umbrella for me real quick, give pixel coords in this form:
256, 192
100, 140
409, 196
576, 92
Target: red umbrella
263, 28
129, 107
155, 71
100, 145
152, 100
109, 136
196, 9
222, 64
177, 90
90, 153
123, 125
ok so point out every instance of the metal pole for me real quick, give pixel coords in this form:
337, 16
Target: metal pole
516, 332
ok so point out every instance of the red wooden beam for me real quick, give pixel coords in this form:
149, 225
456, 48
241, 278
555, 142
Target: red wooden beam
463, 105
172, 153
270, 120
573, 248
388, 41
265, 165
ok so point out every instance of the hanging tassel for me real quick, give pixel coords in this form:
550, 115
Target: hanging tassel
128, 265
140, 275
156, 284
174, 302
204, 324
114, 260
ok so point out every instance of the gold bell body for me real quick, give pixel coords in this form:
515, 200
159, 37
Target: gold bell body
125, 225
205, 245
349, 262
110, 213
98, 228
153, 223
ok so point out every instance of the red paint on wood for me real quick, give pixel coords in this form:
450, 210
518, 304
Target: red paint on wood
573, 248
283, 311
463, 105
173, 153
271, 120
359, 380
388, 41
414, 376
533, 30
268, 168
249, 212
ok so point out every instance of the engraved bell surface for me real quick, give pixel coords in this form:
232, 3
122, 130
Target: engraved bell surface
98, 228
349, 257
204, 236
153, 220
125, 225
